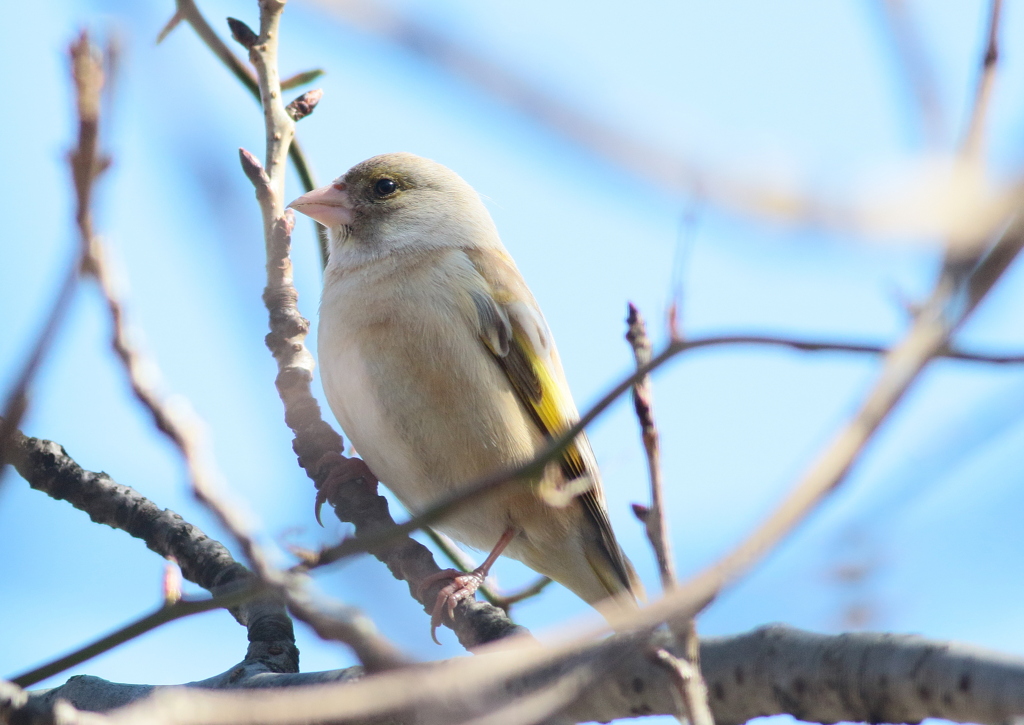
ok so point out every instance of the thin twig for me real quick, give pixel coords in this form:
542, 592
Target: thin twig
189, 12
653, 517
174, 421
972, 145
147, 623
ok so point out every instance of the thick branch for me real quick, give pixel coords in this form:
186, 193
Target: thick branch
771, 671
48, 468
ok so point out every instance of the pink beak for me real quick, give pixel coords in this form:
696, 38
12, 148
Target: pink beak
329, 205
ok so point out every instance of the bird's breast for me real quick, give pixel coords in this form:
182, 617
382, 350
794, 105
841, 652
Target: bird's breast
415, 389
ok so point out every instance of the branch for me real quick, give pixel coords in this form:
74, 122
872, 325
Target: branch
972, 146
86, 165
772, 670
653, 517
685, 669
48, 468
948, 307
189, 12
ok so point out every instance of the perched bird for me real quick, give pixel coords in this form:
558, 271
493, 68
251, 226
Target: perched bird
439, 366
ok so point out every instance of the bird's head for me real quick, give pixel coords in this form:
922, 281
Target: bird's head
396, 203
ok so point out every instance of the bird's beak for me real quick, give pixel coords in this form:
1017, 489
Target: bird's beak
329, 205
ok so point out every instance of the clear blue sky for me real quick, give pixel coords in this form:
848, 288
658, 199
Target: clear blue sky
807, 90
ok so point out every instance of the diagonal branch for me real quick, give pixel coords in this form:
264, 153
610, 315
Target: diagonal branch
48, 468
972, 146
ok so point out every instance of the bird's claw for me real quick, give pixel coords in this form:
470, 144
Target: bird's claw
462, 586
349, 469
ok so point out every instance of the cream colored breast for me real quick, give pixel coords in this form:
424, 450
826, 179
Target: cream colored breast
411, 383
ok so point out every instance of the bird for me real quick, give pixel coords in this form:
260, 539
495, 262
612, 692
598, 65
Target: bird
438, 364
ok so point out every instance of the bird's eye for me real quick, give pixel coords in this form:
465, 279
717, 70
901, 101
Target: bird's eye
384, 187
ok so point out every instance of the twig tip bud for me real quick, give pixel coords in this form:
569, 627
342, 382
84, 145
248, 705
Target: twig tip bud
242, 33
304, 104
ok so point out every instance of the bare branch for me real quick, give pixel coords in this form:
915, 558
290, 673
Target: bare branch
86, 165
48, 468
188, 11
654, 518
972, 146
773, 670
930, 332
686, 668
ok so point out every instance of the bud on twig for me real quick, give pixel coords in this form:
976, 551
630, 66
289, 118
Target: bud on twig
253, 169
242, 33
304, 104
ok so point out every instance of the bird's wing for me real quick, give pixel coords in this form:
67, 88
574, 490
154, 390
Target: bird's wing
514, 331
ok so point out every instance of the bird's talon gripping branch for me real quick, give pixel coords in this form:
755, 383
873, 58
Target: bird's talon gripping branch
462, 586
342, 472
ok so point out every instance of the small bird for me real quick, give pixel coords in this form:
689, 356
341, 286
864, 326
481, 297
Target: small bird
439, 366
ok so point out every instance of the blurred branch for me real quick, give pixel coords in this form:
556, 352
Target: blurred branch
918, 74
931, 205
772, 670
147, 623
188, 11
972, 146
86, 166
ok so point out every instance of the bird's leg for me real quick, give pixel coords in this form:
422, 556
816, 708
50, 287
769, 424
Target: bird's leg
347, 470
462, 585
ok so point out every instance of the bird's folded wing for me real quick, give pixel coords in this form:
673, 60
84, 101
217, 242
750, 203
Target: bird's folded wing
514, 331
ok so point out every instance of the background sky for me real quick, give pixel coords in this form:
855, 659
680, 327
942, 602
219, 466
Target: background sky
924, 536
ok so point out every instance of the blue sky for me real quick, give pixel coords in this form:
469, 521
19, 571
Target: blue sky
807, 91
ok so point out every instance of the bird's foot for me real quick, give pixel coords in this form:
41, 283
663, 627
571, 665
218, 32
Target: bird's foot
462, 586
341, 473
